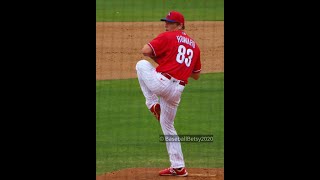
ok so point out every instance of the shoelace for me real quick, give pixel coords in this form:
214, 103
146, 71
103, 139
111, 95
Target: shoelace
172, 171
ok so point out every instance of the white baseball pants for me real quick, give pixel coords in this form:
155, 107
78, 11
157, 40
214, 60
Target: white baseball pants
154, 85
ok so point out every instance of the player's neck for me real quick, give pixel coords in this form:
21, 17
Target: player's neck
176, 30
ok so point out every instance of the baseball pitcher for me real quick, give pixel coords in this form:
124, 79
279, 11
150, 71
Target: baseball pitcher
178, 58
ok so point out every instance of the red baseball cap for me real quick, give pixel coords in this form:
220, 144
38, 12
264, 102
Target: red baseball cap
174, 16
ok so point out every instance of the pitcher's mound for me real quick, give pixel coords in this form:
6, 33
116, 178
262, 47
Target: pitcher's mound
152, 174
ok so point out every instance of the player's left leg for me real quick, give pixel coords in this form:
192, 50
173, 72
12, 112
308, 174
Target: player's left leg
147, 80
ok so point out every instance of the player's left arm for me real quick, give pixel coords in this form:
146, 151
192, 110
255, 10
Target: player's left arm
147, 51
156, 47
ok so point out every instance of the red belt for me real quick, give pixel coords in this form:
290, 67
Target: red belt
169, 77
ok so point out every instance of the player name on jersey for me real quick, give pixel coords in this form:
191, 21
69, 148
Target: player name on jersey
182, 39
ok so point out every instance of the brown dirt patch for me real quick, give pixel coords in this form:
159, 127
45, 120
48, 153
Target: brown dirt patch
118, 46
152, 174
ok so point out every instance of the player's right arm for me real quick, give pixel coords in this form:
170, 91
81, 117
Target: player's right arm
197, 68
195, 76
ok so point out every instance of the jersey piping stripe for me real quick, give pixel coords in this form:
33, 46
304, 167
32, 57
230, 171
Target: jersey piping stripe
197, 70
152, 49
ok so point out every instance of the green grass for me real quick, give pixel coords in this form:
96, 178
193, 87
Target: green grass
154, 10
127, 135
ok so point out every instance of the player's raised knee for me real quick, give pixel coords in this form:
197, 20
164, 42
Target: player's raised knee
141, 63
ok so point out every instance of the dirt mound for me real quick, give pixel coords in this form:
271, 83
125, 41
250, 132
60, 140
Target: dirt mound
118, 46
152, 174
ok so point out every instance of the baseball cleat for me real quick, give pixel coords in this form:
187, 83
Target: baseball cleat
173, 172
155, 109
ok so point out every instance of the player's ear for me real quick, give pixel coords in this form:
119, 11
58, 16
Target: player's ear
180, 26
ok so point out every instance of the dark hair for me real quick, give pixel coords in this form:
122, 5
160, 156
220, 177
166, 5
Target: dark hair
183, 27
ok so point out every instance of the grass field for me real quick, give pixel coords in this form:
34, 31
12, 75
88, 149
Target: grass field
127, 135
153, 10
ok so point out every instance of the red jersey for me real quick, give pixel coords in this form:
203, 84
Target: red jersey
177, 54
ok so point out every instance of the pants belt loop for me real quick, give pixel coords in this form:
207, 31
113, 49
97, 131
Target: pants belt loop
170, 77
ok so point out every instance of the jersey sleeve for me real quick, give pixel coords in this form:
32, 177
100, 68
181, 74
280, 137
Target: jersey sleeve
158, 45
197, 67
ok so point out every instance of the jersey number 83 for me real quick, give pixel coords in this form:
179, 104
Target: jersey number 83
181, 56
